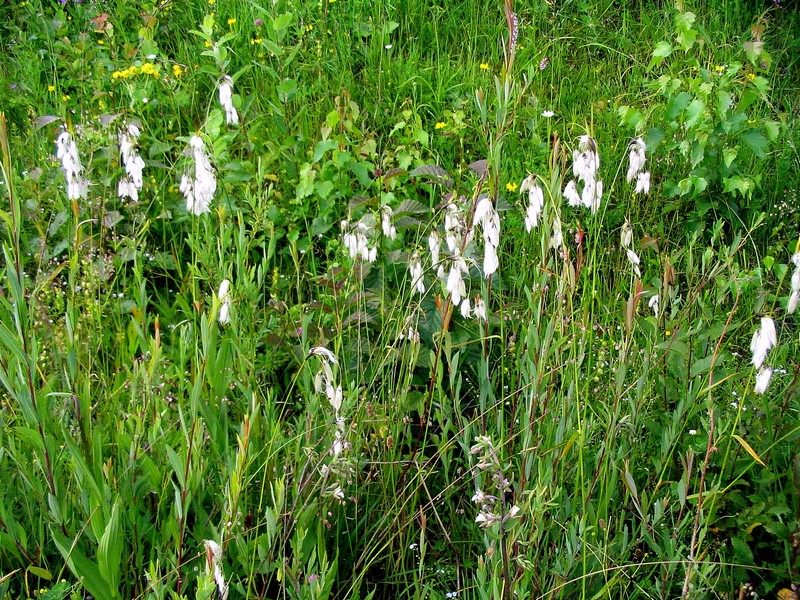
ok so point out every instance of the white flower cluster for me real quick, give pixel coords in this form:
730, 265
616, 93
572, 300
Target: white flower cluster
637, 158
199, 190
491, 507
585, 164
357, 242
131, 183
535, 202
325, 382
226, 100
626, 239
415, 269
67, 153
489, 221
387, 226
764, 339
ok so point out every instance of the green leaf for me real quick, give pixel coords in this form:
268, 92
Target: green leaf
322, 147
40, 573
729, 155
694, 112
756, 141
82, 567
109, 550
662, 50
282, 21
287, 89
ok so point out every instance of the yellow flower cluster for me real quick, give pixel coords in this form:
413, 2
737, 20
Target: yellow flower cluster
133, 71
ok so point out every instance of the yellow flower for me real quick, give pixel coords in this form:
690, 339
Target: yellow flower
177, 71
441, 125
51, 88
309, 27
511, 187
231, 21
751, 76
256, 41
485, 66
212, 2
208, 44
65, 97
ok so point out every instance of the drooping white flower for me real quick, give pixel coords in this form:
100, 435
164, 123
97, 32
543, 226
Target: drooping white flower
435, 247
455, 280
356, 241
763, 340
466, 308
324, 353
213, 565
129, 186
762, 379
386, 222
487, 218
480, 309
571, 194
637, 157
633, 258
556, 237
224, 297
415, 269
199, 190
653, 304
626, 235
535, 202
642, 183
226, 100
67, 153
452, 227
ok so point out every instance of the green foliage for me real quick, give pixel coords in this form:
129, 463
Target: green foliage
289, 391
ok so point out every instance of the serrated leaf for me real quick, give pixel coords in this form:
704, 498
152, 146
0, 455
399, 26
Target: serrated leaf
662, 50
411, 207
729, 155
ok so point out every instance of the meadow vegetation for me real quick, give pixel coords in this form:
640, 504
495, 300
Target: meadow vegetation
399, 299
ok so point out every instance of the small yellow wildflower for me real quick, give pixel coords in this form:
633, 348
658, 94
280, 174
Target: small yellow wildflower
212, 2
511, 187
485, 66
208, 44
65, 97
441, 125
101, 42
719, 68
177, 71
751, 76
256, 41
271, 177
51, 88
309, 27
232, 21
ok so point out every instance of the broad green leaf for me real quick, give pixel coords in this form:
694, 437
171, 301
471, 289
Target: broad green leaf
82, 567
109, 550
756, 141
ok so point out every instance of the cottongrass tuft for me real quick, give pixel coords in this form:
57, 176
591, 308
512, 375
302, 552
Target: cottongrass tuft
585, 165
762, 379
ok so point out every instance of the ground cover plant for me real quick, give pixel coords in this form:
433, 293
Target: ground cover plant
407, 299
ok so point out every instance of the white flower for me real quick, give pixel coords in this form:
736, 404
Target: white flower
764, 338
535, 202
452, 227
488, 219
324, 354
547, 114
226, 100
225, 301
794, 298
466, 308
357, 243
67, 153
386, 222
633, 258
556, 238
637, 158
455, 281
338, 493
653, 304
626, 235
642, 183
213, 560
415, 269
479, 497
480, 309
571, 194
762, 379
485, 518
129, 186
199, 190
435, 247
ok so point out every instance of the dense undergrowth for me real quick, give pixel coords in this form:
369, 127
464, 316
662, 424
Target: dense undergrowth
399, 299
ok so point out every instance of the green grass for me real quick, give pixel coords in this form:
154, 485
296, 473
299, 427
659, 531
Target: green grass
609, 449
